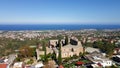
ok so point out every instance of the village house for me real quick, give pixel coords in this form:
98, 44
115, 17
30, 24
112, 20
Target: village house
116, 51
91, 49
19, 65
99, 59
3, 65
53, 43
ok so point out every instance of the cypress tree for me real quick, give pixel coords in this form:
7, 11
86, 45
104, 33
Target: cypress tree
66, 40
44, 49
59, 55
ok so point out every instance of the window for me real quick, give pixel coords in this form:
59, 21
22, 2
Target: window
72, 50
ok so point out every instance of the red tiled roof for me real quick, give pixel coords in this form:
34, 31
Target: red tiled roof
79, 63
27, 66
117, 48
60, 66
99, 64
3, 65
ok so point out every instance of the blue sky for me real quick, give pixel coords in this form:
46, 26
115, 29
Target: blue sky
59, 11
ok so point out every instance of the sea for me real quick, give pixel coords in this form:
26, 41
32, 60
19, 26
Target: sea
55, 27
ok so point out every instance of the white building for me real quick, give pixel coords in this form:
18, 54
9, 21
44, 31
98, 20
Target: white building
103, 61
91, 49
106, 62
18, 65
98, 58
39, 65
53, 43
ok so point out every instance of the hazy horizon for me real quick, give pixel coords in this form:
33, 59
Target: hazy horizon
59, 23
